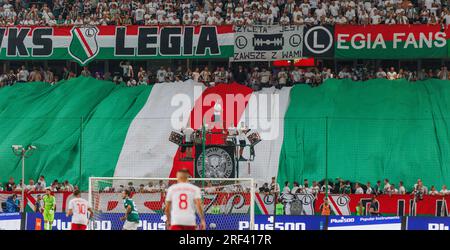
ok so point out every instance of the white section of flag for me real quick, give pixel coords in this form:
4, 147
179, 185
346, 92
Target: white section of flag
147, 151
265, 164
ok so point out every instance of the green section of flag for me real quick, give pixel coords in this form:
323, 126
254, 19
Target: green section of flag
376, 129
56, 118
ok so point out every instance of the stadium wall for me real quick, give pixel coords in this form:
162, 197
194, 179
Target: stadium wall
262, 222
340, 205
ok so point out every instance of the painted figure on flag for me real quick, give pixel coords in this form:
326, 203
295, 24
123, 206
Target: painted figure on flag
84, 46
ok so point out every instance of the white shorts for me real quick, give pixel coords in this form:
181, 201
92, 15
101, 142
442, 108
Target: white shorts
130, 225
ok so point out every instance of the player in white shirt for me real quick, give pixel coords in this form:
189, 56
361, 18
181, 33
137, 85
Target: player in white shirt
182, 200
78, 208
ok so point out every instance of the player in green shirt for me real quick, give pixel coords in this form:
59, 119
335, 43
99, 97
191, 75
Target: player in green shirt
131, 216
279, 208
49, 209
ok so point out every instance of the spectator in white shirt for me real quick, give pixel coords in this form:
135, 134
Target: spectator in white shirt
380, 74
149, 187
284, 20
390, 20
392, 189
375, 19
67, 186
369, 189
345, 73
305, 7
161, 74
296, 188
297, 16
392, 74
274, 10
31, 186
286, 189
341, 19
19, 187
433, 191
358, 189
161, 186
282, 77
387, 186
274, 187
41, 185
334, 9
444, 190
310, 20
324, 187
401, 188
315, 188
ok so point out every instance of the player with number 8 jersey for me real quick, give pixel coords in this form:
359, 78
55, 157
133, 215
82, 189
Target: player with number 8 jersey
182, 201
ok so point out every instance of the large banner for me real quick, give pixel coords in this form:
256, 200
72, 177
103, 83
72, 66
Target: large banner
390, 41
111, 221
428, 223
364, 223
239, 43
83, 44
10, 221
399, 205
220, 162
268, 43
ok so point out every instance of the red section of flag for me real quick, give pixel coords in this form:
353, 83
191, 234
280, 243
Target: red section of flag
204, 108
305, 62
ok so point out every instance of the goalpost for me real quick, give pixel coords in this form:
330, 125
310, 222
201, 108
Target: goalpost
228, 202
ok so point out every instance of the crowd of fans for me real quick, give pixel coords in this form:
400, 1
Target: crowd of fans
346, 187
37, 186
218, 12
254, 77
338, 187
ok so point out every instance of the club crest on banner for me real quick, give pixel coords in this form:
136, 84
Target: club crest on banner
219, 163
83, 46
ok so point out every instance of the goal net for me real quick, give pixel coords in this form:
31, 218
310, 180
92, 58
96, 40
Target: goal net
228, 204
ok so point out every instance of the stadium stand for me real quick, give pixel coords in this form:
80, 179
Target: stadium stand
364, 113
219, 12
